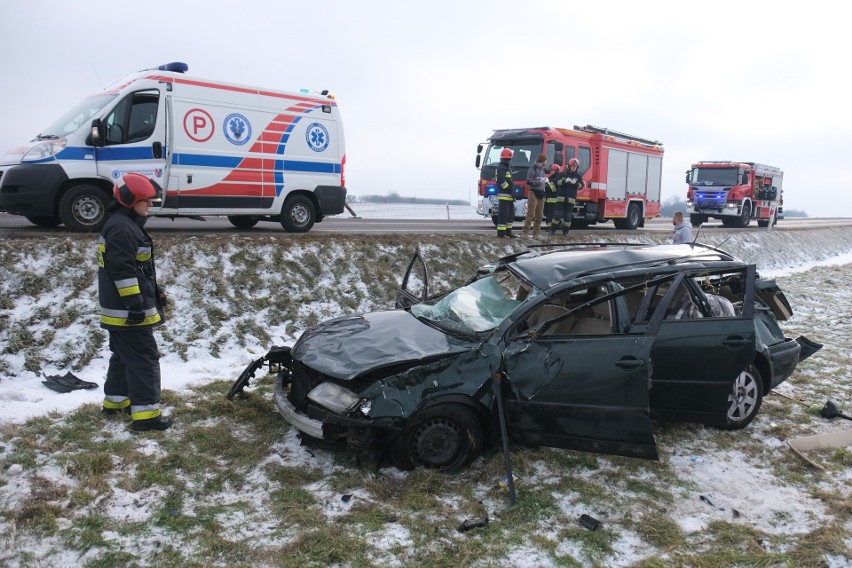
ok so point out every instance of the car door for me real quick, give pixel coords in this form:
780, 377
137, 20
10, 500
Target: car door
697, 356
415, 283
581, 392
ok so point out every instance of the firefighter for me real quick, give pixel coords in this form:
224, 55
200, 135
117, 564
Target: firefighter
567, 186
550, 192
131, 306
505, 196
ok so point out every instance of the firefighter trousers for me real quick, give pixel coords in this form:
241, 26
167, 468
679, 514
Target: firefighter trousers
133, 375
505, 216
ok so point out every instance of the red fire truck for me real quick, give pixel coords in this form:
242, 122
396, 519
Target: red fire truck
735, 192
622, 173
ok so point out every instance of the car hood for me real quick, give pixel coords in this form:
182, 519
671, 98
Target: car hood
345, 347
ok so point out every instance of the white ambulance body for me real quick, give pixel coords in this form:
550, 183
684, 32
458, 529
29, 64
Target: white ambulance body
216, 149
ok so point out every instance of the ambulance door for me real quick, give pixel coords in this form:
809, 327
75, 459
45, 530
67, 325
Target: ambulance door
134, 138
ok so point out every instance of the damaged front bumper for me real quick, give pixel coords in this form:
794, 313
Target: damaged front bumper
298, 420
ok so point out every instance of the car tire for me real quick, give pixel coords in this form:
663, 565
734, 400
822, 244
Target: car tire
83, 208
744, 400
46, 222
445, 437
298, 214
243, 221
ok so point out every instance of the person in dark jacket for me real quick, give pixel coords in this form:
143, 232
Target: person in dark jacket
131, 306
567, 186
505, 196
550, 192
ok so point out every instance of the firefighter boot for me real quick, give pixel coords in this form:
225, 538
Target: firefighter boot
157, 423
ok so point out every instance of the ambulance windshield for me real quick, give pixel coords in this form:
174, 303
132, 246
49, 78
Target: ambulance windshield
81, 114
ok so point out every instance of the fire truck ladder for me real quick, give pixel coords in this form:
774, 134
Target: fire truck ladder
606, 131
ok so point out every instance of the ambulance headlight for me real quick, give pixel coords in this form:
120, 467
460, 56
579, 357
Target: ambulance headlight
43, 150
335, 398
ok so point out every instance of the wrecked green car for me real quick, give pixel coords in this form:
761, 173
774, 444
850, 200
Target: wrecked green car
589, 343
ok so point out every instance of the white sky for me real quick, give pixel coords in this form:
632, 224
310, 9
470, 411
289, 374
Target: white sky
419, 85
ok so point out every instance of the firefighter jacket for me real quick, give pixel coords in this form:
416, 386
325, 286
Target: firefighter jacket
127, 280
568, 184
505, 187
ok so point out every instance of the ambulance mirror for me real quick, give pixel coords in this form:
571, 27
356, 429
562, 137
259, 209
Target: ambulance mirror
96, 138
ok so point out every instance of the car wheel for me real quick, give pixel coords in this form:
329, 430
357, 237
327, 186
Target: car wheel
243, 221
745, 399
46, 222
445, 437
298, 214
83, 208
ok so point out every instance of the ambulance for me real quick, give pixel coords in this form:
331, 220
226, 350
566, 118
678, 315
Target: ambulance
214, 148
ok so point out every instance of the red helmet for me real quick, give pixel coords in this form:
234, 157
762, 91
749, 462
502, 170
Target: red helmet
574, 162
133, 189
506, 154
554, 168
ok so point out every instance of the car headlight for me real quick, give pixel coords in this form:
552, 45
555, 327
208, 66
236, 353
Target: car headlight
335, 398
42, 150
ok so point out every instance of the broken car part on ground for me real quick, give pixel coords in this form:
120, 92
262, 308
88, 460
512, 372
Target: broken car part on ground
591, 341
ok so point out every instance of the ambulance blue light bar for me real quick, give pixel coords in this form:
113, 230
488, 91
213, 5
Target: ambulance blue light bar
175, 66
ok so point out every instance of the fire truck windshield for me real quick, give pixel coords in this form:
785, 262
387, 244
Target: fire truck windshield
525, 152
715, 176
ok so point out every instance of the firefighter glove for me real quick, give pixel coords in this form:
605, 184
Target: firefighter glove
135, 317
163, 300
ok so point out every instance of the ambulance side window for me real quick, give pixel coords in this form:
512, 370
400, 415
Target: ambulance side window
133, 119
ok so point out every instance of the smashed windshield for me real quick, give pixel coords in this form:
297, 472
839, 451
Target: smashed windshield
78, 116
479, 306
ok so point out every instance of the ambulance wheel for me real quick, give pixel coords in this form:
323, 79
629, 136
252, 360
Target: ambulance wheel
298, 214
83, 208
46, 222
243, 221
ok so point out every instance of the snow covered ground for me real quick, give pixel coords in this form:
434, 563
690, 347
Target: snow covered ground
813, 269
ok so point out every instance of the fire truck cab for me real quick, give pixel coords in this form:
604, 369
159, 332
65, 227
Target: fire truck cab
735, 192
622, 173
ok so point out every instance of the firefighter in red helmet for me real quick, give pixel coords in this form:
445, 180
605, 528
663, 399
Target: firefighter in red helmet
505, 195
131, 305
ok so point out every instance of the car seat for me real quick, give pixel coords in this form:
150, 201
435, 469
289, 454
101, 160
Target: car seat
599, 324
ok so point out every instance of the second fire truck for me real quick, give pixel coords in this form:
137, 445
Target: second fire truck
622, 173
735, 192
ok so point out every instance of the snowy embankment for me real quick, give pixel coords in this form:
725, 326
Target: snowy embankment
233, 297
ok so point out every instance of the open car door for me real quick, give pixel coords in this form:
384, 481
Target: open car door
415, 283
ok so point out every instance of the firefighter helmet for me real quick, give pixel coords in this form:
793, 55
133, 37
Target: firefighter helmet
133, 189
506, 154
554, 168
574, 162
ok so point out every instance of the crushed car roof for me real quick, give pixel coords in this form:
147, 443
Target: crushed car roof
544, 269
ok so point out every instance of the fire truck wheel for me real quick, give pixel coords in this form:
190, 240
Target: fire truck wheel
697, 220
744, 218
298, 214
83, 208
243, 221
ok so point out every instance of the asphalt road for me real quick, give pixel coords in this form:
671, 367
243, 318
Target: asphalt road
346, 224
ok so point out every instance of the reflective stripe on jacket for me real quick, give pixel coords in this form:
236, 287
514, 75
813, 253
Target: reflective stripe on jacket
503, 179
127, 279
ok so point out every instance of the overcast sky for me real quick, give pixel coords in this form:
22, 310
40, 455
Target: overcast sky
420, 84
